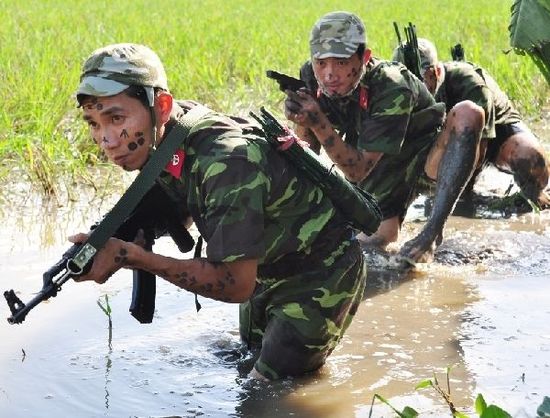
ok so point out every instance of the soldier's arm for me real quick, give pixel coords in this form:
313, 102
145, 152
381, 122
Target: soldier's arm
225, 281
355, 164
308, 136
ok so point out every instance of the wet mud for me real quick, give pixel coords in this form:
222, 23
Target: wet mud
481, 308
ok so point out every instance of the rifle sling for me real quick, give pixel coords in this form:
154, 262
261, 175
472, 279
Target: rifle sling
141, 184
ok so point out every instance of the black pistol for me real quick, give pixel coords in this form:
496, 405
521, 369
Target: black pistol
286, 82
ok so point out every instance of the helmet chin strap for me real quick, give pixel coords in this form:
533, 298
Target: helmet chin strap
150, 92
365, 60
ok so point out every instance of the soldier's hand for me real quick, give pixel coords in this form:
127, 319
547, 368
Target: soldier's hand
303, 109
107, 261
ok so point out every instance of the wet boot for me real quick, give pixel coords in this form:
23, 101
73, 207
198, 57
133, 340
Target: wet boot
455, 169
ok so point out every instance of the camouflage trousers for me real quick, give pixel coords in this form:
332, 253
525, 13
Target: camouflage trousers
394, 180
298, 320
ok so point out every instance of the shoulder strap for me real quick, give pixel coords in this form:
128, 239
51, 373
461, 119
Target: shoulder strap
135, 192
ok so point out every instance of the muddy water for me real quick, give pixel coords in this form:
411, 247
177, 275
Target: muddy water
483, 307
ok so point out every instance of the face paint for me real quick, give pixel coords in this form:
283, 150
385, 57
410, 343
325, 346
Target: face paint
338, 77
120, 128
354, 72
140, 138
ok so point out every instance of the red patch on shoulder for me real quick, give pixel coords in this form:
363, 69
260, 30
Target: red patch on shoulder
175, 165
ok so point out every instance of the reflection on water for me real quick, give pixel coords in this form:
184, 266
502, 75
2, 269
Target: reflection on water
482, 308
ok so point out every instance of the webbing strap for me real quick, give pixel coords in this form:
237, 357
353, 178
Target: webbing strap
141, 184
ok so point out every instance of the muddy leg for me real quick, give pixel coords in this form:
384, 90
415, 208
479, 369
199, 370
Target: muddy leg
455, 169
469, 189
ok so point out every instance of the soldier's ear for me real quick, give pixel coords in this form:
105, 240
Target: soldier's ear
366, 55
163, 103
438, 70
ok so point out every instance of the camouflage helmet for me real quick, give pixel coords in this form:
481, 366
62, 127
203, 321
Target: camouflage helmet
337, 35
113, 68
427, 52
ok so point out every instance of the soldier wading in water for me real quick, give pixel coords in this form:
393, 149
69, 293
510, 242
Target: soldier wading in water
275, 243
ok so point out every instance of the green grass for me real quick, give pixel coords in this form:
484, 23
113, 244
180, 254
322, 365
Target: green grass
215, 52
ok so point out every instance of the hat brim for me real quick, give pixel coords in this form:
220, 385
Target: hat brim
323, 55
332, 49
99, 86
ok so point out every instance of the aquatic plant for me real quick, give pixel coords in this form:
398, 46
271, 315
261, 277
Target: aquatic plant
106, 308
481, 407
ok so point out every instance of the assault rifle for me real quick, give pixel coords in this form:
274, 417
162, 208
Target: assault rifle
286, 82
156, 215
409, 49
358, 207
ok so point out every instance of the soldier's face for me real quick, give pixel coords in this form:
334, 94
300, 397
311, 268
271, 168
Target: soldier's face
121, 126
338, 76
431, 78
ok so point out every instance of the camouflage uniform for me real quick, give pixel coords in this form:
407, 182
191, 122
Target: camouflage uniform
247, 201
400, 119
466, 81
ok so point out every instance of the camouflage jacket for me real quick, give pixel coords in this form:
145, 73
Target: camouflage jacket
248, 201
400, 112
466, 81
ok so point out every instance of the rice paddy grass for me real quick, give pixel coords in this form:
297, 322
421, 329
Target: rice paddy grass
215, 52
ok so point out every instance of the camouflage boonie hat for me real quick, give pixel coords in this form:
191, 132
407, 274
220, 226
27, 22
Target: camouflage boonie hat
337, 35
113, 68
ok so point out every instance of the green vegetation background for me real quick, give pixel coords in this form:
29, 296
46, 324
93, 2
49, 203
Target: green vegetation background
215, 52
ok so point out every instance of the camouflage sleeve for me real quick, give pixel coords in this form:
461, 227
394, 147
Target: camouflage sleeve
464, 83
385, 124
233, 191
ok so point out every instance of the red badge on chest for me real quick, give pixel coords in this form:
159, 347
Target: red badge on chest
175, 165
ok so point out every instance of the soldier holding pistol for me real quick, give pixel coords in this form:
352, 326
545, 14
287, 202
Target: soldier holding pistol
381, 126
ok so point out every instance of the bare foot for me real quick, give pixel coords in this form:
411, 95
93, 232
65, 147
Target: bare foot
418, 250
372, 242
254, 374
544, 199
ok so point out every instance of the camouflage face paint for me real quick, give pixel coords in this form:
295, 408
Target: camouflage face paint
132, 146
354, 72
140, 138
